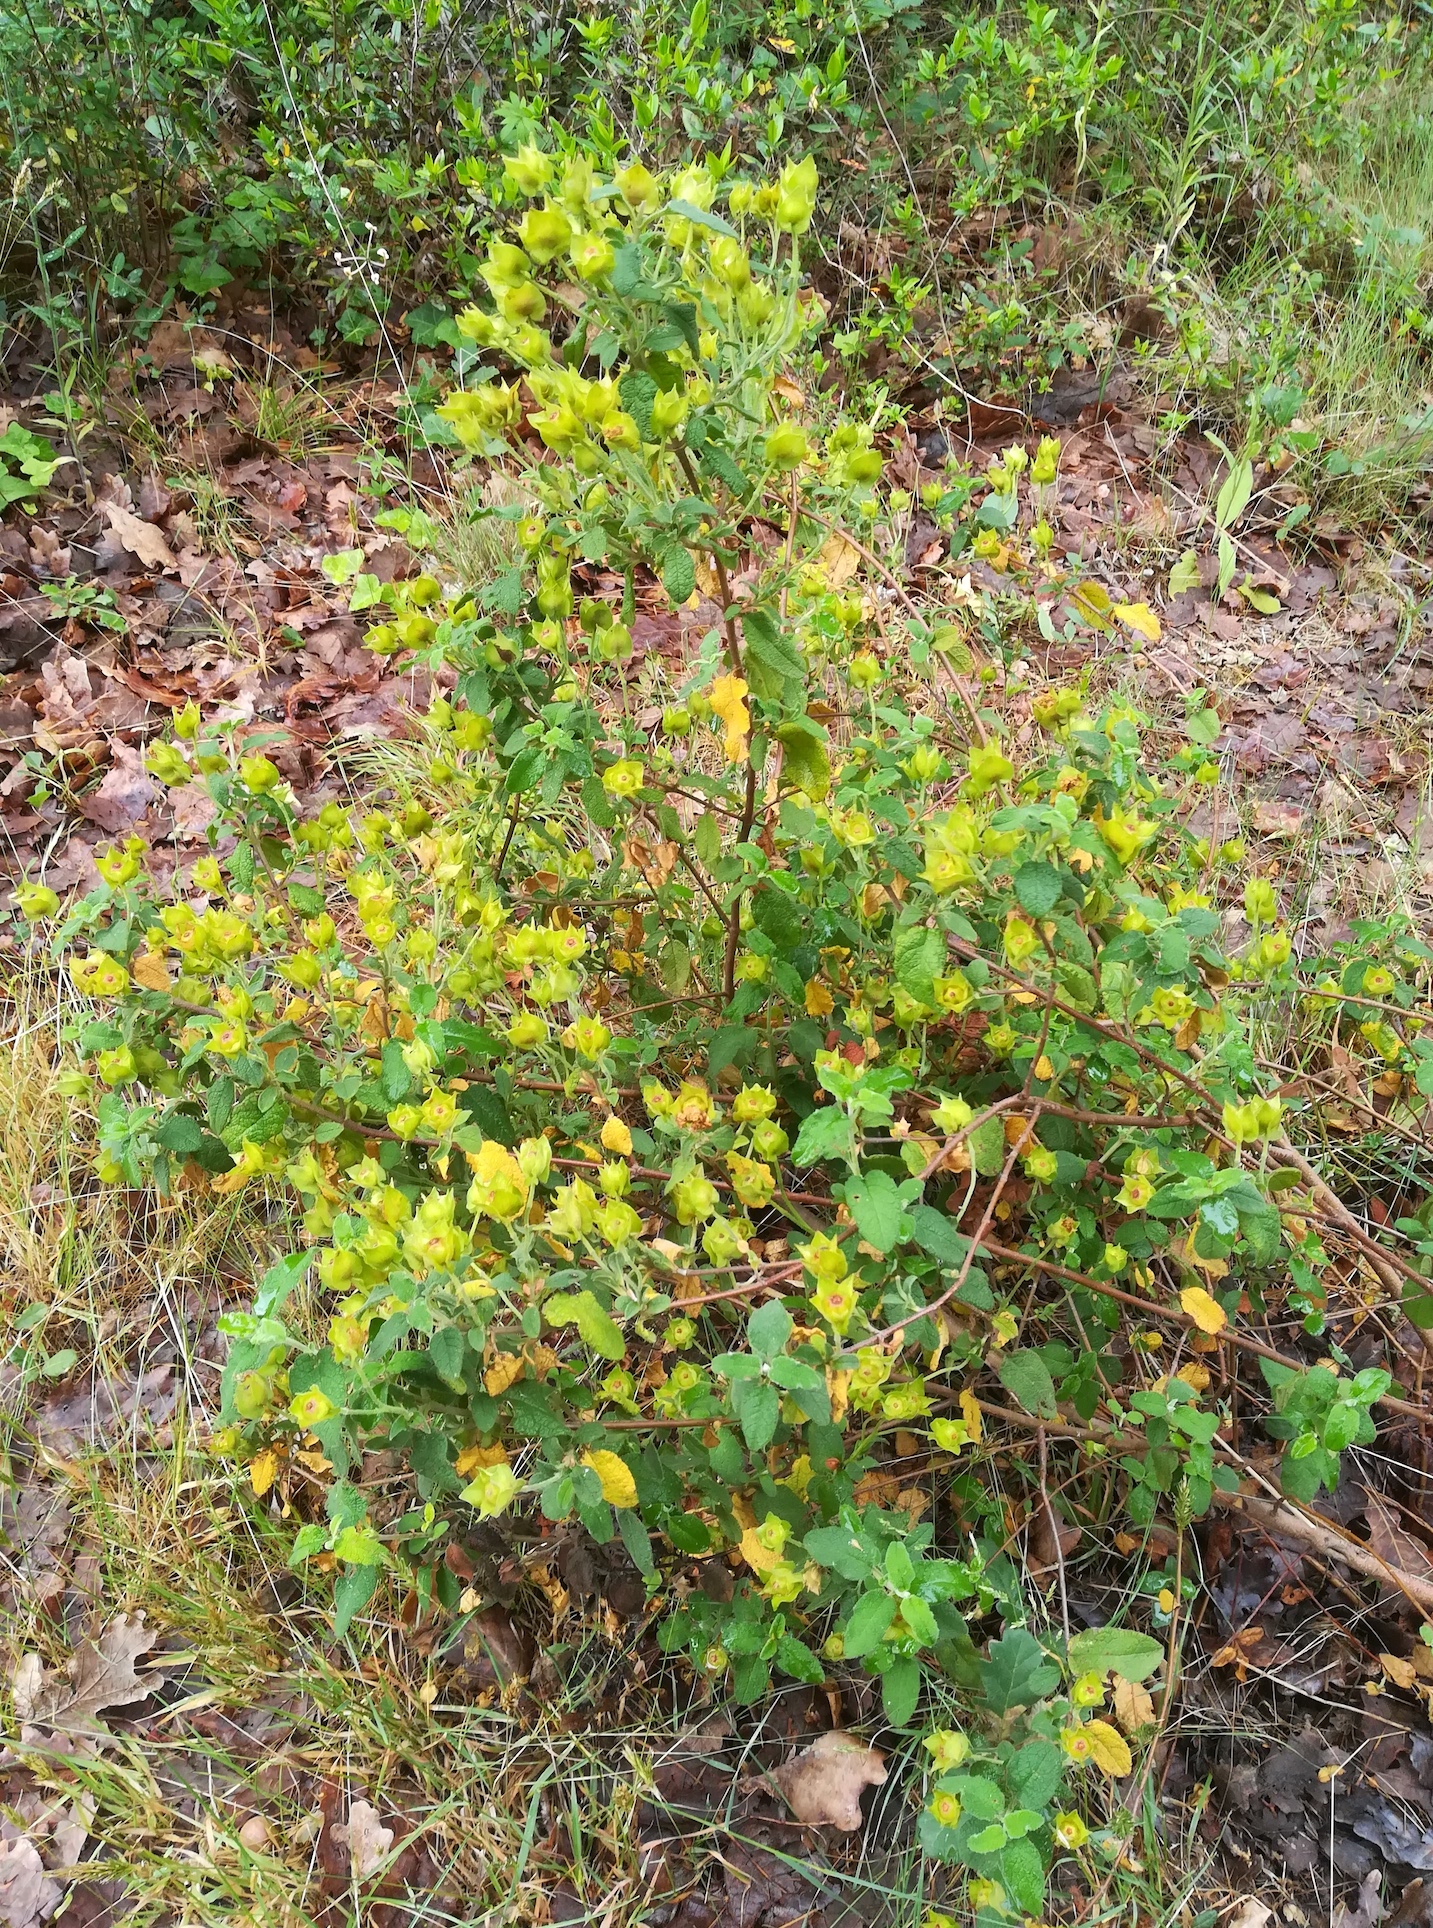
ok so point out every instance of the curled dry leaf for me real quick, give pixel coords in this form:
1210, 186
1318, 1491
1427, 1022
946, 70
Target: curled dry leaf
823, 1783
141, 538
366, 1839
1250, 1913
100, 1674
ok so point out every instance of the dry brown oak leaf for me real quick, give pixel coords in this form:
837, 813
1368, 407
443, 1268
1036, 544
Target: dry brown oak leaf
100, 1674
27, 1895
823, 1783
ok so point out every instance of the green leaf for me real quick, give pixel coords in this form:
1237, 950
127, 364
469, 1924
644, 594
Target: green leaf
1039, 888
805, 762
1022, 1873
919, 958
700, 217
637, 1541
1233, 498
1115, 1650
638, 392
768, 646
1016, 1672
758, 1408
595, 1327
277, 1283
797, 1659
987, 1147
936, 1233
679, 573
1262, 1229
352, 1592
1026, 1377
824, 1133
875, 1202
900, 1690
870, 1617
1185, 574
768, 1329
1036, 1772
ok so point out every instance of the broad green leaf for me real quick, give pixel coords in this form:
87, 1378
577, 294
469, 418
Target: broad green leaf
1039, 888
1185, 574
768, 1329
870, 1617
987, 1147
919, 958
1016, 1672
1026, 1377
875, 1203
595, 1327
805, 762
1114, 1650
900, 1690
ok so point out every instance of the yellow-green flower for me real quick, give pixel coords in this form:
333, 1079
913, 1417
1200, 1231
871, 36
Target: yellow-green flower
492, 1489
312, 1408
1070, 1830
1088, 1691
948, 1749
945, 1808
1135, 1193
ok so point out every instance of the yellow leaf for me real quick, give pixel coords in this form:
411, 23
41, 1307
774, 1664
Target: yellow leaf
150, 972
727, 696
1092, 600
1203, 1308
819, 1001
970, 1413
1044, 1070
761, 1559
1140, 618
618, 1486
263, 1471
1108, 1749
1401, 1672
839, 560
505, 1371
1133, 1706
475, 1457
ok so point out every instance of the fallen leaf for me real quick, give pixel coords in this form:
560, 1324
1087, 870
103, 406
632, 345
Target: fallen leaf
125, 793
27, 1894
1390, 1542
823, 1783
150, 971
1370, 1910
366, 1839
1140, 618
1274, 819
100, 1674
839, 560
1250, 1913
1401, 1672
1203, 1308
141, 538
1235, 1653
727, 696
1134, 1708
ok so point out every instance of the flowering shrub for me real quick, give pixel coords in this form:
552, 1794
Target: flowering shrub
678, 1109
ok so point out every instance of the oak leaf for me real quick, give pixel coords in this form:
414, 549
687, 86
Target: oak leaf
822, 1784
